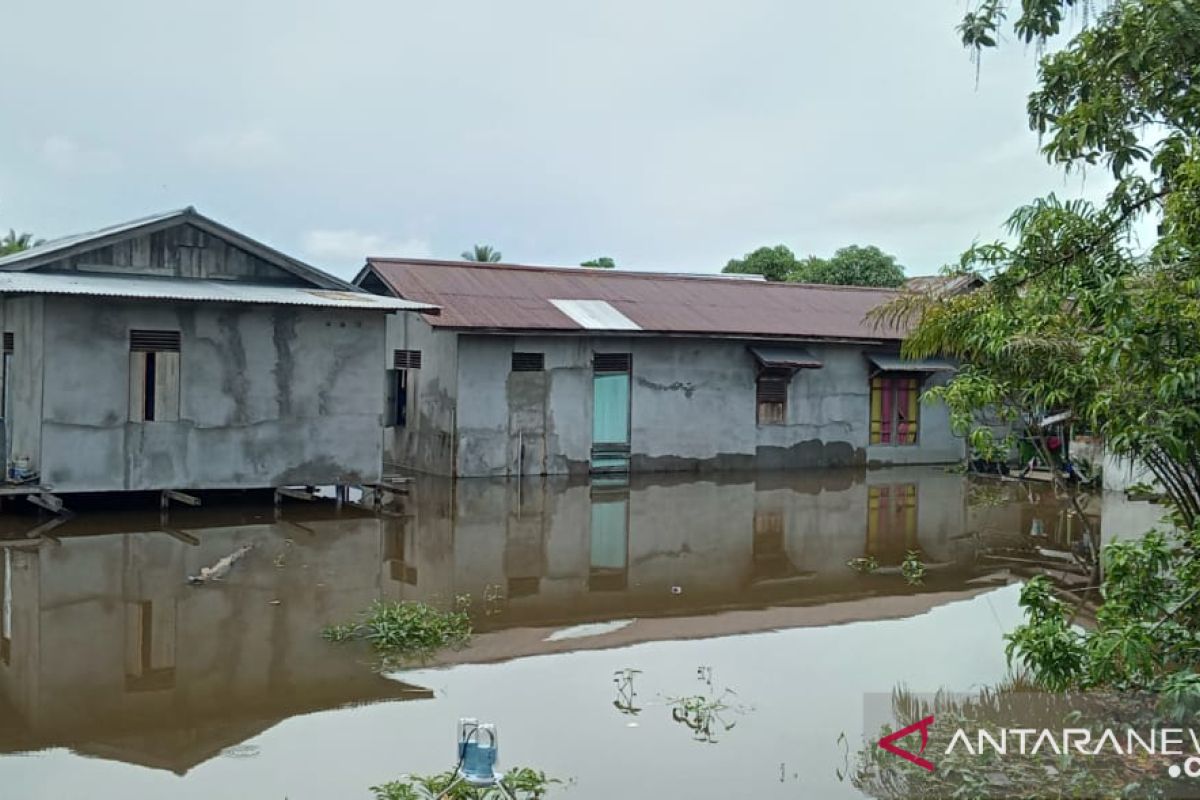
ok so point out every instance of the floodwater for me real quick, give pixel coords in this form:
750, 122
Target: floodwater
596, 607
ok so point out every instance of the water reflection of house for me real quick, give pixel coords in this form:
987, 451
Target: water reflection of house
558, 550
110, 652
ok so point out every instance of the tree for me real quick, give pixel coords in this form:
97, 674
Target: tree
13, 242
1079, 316
482, 252
604, 262
773, 263
851, 266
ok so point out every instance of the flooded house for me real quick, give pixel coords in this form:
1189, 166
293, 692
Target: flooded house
541, 370
174, 353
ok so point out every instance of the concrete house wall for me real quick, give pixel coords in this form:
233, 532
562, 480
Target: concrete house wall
269, 396
271, 393
693, 407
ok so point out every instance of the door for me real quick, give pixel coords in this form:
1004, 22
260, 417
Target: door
610, 412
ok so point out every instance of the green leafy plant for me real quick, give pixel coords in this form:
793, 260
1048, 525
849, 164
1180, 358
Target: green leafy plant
407, 631
863, 565
912, 568
523, 782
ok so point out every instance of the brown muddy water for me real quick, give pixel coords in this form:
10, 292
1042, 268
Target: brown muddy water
118, 679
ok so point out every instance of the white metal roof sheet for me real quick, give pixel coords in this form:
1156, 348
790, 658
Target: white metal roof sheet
595, 315
193, 290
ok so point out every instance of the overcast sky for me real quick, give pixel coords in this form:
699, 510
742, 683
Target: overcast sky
668, 134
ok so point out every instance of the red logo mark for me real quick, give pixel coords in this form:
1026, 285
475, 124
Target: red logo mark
887, 743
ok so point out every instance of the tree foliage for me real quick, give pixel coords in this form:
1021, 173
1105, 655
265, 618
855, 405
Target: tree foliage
13, 242
849, 266
773, 263
604, 262
484, 253
1079, 315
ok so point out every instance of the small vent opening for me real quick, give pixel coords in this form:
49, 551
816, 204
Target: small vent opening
528, 362
610, 362
153, 341
406, 359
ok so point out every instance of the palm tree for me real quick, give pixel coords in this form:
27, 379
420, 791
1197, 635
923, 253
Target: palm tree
482, 252
13, 242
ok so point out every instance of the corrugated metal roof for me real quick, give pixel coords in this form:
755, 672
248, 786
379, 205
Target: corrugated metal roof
191, 290
793, 357
68, 245
514, 297
894, 363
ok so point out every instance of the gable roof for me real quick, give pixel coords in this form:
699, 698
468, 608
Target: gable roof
513, 297
79, 243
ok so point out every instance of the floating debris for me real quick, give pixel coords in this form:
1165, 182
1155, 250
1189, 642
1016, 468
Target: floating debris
220, 569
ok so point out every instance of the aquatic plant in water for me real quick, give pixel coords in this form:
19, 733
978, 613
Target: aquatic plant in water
705, 714
523, 782
863, 565
912, 568
407, 630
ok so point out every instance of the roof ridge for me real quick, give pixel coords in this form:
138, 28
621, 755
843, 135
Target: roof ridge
613, 273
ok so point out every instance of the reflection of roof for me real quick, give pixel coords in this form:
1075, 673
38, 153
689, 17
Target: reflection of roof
194, 290
503, 645
178, 741
514, 297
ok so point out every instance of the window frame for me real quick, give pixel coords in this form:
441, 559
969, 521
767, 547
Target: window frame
151, 354
772, 411
895, 389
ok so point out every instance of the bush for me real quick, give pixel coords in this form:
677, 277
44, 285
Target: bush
525, 783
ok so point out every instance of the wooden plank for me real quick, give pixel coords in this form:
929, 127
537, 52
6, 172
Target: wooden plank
46, 501
295, 494
180, 497
182, 536
166, 387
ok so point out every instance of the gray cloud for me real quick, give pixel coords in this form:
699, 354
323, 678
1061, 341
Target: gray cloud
670, 135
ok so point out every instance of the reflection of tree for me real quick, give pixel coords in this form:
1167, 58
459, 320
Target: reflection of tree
984, 773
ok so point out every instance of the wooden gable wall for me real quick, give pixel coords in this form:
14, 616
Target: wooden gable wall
181, 251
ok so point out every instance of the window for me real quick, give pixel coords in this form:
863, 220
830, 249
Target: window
150, 646
5, 371
399, 386
153, 376
892, 522
528, 362
397, 553
895, 410
772, 396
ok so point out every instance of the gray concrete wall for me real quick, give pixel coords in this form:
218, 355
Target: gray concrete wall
269, 396
426, 442
693, 409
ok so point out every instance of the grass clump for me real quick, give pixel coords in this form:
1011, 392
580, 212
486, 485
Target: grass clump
524, 783
406, 630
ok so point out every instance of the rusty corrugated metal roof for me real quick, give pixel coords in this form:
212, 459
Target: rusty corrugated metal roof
515, 297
